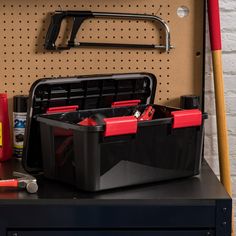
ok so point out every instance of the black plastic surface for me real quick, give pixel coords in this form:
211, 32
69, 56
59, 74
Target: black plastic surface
88, 92
190, 102
82, 156
55, 25
20, 103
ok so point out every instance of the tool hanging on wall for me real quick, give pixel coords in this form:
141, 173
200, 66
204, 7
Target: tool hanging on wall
80, 16
216, 47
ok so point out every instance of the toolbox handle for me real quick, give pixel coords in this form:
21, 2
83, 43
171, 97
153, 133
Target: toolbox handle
112, 126
120, 126
115, 126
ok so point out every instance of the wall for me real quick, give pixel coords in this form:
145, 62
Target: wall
228, 26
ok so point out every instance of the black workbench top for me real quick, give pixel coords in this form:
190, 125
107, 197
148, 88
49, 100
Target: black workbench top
205, 186
193, 206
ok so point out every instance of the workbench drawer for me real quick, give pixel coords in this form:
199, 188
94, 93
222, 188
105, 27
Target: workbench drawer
112, 233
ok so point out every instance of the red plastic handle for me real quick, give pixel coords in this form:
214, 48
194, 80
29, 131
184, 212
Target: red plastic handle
61, 109
12, 183
120, 125
126, 103
214, 24
186, 118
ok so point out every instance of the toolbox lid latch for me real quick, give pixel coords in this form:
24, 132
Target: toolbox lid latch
186, 118
126, 103
120, 126
61, 109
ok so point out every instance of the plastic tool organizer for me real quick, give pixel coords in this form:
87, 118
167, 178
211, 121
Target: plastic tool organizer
118, 150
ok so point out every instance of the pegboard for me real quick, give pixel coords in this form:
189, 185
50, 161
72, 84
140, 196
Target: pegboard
24, 24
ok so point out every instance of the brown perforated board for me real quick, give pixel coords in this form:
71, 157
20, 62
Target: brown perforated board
23, 60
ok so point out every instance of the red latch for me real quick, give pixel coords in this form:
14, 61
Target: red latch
61, 109
126, 103
120, 125
186, 118
88, 122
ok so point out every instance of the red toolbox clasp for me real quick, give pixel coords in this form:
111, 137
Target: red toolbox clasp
126, 103
120, 125
186, 118
61, 109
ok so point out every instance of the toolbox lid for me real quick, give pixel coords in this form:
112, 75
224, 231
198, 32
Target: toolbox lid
82, 93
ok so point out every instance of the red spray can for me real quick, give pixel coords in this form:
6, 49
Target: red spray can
5, 137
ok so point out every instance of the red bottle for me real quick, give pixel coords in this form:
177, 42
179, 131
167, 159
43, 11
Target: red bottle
5, 137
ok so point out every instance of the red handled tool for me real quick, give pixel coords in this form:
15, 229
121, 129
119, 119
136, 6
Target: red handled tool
147, 114
23, 181
216, 47
88, 122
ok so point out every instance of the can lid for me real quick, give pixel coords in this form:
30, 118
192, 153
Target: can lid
3, 95
190, 102
20, 103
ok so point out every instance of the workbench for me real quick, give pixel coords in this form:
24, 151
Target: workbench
192, 206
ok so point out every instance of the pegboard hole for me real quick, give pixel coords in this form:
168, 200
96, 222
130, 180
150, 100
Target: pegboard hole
198, 54
183, 11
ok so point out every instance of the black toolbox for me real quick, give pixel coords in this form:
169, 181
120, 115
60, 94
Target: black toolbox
117, 149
